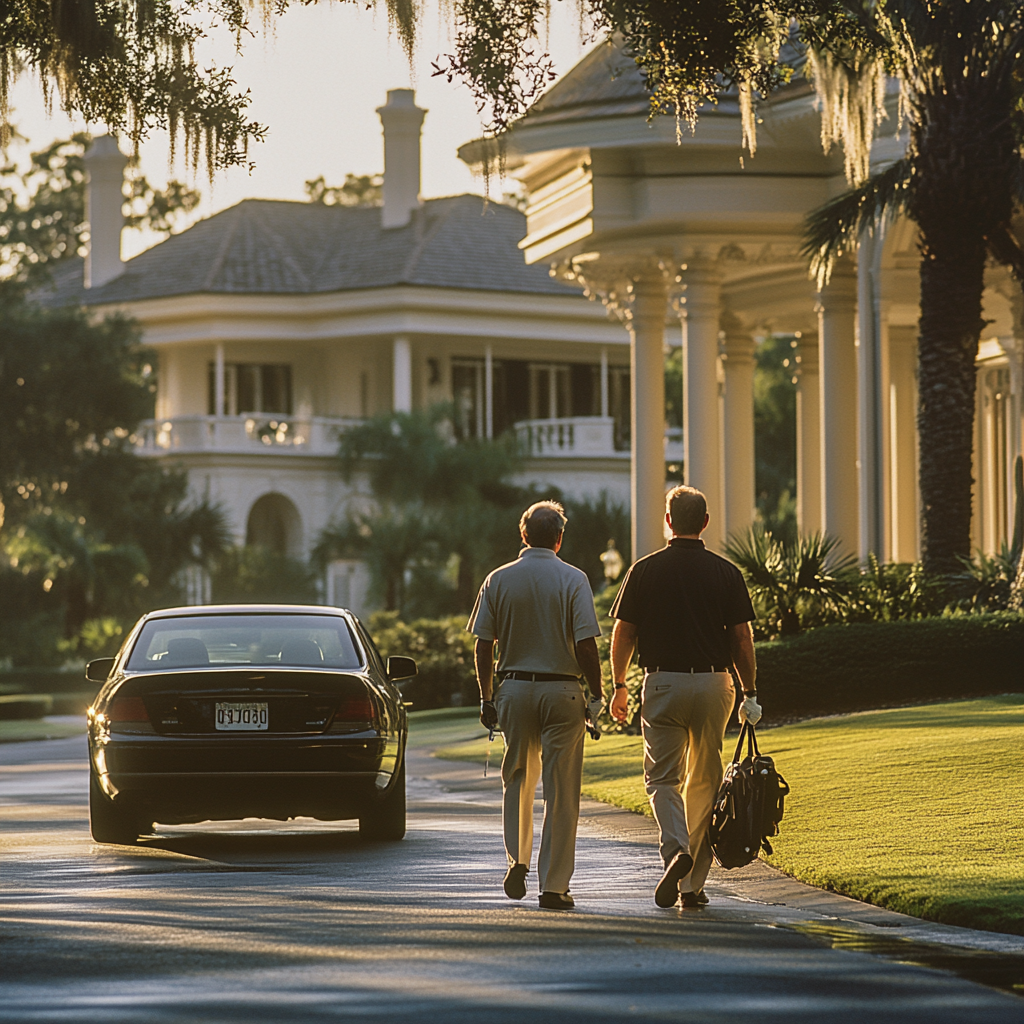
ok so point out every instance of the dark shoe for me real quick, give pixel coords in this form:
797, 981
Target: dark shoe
557, 901
678, 868
515, 881
693, 899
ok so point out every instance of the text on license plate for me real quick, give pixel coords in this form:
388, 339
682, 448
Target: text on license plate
245, 717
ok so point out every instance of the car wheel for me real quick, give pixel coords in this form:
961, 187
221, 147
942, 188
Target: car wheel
386, 818
107, 822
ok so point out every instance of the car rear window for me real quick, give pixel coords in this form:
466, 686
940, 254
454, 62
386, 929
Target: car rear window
195, 641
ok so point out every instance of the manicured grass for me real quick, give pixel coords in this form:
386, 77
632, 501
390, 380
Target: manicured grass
915, 809
38, 729
444, 726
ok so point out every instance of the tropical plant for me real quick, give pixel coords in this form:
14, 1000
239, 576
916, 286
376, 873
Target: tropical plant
962, 95
255, 575
985, 582
891, 591
792, 581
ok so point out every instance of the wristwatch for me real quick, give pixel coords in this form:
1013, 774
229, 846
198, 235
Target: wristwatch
620, 686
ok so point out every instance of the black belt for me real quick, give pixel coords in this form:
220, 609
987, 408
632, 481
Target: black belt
691, 669
540, 677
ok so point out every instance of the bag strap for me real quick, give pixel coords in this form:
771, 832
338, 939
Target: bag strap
746, 733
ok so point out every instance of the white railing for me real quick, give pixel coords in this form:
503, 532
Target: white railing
573, 437
257, 432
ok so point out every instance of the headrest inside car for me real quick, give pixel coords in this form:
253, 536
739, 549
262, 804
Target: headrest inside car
186, 650
301, 652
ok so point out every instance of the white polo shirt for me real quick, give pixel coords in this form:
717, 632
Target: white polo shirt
536, 607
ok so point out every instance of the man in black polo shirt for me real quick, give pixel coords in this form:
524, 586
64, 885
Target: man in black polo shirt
689, 613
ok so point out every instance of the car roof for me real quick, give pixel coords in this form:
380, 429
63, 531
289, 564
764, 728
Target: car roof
248, 609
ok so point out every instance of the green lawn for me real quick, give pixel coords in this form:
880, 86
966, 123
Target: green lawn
915, 809
20, 730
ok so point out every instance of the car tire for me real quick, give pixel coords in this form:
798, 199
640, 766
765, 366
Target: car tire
108, 823
385, 820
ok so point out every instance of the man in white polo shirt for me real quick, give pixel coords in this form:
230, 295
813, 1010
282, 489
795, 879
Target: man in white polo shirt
540, 612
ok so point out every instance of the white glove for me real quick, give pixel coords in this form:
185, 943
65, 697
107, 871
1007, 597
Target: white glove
594, 708
750, 711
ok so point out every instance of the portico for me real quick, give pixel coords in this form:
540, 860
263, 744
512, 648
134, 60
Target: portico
691, 236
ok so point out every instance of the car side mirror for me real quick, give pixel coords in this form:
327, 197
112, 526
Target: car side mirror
401, 668
97, 670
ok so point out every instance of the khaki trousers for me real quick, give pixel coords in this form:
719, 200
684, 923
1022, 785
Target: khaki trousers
543, 725
684, 717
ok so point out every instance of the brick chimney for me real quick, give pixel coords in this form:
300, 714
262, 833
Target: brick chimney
402, 121
104, 164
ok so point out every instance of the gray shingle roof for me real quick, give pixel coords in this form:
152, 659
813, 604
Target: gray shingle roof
263, 246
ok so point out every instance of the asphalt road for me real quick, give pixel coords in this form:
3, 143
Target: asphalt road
257, 922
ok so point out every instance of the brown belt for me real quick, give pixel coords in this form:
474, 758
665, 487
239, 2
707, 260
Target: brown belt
691, 669
540, 677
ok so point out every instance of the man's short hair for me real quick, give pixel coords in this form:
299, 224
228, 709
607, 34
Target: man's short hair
686, 507
542, 523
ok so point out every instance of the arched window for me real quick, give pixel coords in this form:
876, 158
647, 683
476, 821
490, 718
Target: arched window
274, 523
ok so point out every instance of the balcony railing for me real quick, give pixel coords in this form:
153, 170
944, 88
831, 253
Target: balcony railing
260, 432
577, 437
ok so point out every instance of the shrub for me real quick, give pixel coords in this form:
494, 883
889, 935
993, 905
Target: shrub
444, 656
859, 666
25, 705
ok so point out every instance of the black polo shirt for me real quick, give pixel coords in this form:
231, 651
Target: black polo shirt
683, 599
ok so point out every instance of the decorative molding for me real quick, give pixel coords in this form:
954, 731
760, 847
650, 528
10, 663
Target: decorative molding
613, 279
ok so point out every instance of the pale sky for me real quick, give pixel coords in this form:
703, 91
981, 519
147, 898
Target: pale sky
316, 82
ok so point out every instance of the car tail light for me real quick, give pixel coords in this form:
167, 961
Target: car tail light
128, 709
356, 708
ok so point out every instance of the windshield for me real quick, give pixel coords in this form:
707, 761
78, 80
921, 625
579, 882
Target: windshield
195, 641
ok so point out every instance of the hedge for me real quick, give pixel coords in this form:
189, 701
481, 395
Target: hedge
24, 706
867, 665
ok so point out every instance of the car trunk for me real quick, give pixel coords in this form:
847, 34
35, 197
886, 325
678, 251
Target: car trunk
211, 702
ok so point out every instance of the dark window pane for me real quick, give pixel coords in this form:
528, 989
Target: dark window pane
511, 393
247, 387
277, 388
586, 389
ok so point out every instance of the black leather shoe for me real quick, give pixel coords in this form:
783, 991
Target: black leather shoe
515, 881
678, 868
693, 899
557, 901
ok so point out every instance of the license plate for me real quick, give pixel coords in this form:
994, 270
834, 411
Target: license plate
241, 717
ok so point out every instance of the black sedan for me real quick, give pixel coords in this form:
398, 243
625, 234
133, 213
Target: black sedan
254, 711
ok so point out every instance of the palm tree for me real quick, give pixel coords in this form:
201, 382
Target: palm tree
958, 64
788, 578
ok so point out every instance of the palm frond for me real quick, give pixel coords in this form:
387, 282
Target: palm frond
835, 227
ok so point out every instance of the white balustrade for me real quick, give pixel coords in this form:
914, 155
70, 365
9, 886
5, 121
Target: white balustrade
317, 435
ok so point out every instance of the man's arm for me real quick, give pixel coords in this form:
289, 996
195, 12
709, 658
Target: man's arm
623, 645
483, 660
587, 658
741, 648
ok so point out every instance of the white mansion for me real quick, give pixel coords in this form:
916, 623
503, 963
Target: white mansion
278, 324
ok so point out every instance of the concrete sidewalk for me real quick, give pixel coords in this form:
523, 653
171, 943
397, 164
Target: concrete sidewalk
759, 891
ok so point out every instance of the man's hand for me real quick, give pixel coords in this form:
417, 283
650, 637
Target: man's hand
750, 711
619, 707
488, 715
594, 708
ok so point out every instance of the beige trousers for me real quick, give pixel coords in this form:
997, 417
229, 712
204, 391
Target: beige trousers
543, 725
684, 718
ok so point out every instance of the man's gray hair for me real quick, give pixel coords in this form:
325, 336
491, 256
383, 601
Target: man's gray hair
542, 523
686, 507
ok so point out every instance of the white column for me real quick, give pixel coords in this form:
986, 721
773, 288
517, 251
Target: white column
218, 382
871, 399
808, 435
903, 443
402, 375
647, 478
702, 445
488, 392
837, 358
604, 382
738, 448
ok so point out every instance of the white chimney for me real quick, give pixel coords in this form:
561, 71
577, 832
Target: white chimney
104, 164
402, 121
